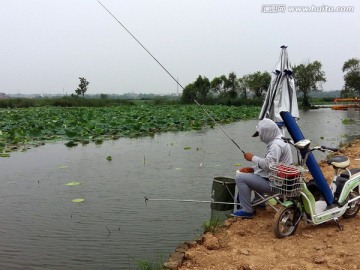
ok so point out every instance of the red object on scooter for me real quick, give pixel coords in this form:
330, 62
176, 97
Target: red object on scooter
287, 172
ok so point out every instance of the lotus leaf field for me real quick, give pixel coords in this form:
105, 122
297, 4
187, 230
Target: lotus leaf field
26, 127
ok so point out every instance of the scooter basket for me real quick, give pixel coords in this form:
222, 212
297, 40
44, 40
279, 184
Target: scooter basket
285, 179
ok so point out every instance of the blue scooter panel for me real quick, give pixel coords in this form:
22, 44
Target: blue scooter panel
311, 162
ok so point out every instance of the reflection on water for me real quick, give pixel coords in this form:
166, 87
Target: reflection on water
41, 228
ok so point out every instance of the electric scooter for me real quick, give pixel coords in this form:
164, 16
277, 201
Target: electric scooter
303, 200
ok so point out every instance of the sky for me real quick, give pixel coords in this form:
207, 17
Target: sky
46, 45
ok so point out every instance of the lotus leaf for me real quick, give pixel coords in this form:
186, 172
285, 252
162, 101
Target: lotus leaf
35, 133
72, 184
71, 134
80, 200
97, 124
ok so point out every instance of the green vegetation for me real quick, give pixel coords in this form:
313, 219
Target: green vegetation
226, 90
72, 101
250, 88
197, 90
258, 82
79, 200
36, 125
348, 121
82, 88
72, 184
308, 78
212, 225
351, 69
158, 264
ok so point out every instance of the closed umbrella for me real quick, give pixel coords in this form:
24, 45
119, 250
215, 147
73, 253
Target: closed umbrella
281, 94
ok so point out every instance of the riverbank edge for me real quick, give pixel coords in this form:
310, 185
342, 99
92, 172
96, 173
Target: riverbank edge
176, 259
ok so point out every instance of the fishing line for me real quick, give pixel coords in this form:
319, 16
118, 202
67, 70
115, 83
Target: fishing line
157, 61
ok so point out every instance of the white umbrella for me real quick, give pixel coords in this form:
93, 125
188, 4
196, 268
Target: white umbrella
281, 94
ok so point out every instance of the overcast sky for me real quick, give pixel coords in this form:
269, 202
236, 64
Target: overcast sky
46, 45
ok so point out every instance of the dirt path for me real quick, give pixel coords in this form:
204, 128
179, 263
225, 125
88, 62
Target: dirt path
251, 244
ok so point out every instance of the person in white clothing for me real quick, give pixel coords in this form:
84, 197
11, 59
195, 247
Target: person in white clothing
257, 177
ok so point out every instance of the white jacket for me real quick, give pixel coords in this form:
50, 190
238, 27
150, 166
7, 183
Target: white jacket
276, 149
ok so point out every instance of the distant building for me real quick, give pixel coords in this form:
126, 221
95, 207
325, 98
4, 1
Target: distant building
3, 96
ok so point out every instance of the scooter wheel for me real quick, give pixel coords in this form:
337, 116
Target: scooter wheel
285, 222
354, 207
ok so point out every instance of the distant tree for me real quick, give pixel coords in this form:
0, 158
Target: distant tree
225, 86
103, 96
347, 92
257, 82
202, 88
351, 68
197, 90
217, 85
188, 94
82, 88
242, 87
308, 78
232, 85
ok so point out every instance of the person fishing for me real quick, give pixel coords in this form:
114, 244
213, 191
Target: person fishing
257, 177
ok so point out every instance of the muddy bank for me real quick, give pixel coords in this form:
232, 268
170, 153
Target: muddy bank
251, 244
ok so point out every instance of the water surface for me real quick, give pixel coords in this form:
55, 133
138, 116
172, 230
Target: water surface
41, 228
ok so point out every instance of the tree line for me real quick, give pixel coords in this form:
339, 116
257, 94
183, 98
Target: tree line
230, 89
308, 77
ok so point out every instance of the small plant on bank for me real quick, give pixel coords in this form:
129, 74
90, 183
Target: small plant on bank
158, 264
211, 225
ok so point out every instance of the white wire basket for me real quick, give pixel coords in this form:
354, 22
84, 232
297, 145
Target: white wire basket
285, 179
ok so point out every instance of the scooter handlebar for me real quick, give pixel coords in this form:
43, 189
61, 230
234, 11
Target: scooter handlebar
329, 148
320, 148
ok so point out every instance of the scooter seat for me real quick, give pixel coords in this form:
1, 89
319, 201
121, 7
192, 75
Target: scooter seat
339, 162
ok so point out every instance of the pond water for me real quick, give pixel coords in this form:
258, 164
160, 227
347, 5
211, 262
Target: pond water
41, 228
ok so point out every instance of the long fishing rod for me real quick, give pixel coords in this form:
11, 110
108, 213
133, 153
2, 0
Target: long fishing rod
271, 204
216, 123
188, 200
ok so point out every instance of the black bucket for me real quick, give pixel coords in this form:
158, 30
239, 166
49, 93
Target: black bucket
223, 190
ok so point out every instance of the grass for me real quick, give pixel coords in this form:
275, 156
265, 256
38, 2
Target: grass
157, 264
212, 225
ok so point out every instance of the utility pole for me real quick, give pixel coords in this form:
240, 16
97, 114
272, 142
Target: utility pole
177, 87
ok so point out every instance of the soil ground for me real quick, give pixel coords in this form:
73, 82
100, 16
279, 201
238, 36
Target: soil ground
251, 243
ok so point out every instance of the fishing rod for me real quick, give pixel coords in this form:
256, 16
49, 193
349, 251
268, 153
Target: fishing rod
188, 200
206, 112
271, 204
